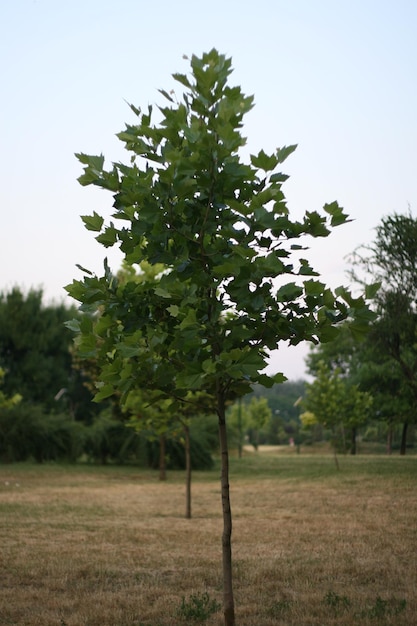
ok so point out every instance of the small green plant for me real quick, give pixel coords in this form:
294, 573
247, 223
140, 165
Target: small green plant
199, 607
278, 608
336, 602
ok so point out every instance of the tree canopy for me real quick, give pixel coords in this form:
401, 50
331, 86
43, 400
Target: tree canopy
222, 230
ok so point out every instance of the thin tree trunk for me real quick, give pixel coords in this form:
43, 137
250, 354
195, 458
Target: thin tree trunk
188, 472
334, 443
403, 448
342, 430
162, 459
389, 439
353, 441
239, 426
228, 601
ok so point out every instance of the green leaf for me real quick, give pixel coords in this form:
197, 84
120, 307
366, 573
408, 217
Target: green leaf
182, 78
337, 215
313, 287
109, 237
289, 292
93, 222
209, 366
93, 170
306, 269
264, 161
279, 378
166, 95
189, 320
83, 269
87, 346
190, 382
76, 290
372, 290
162, 293
73, 325
173, 310
105, 392
135, 110
95, 162
278, 178
315, 224
284, 152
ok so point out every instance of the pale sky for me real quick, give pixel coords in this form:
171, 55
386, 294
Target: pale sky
337, 77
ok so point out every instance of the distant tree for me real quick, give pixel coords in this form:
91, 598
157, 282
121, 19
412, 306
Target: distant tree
222, 231
393, 398
337, 405
33, 346
237, 422
35, 354
283, 401
248, 419
151, 418
259, 416
392, 260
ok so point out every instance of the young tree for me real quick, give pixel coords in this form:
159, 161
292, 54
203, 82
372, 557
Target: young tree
152, 417
248, 419
259, 416
336, 403
238, 420
222, 231
284, 402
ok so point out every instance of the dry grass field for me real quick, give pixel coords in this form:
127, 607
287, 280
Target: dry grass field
109, 546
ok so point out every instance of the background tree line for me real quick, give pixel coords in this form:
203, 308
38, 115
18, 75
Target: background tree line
47, 411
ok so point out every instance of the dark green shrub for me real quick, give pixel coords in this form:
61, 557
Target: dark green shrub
27, 431
110, 440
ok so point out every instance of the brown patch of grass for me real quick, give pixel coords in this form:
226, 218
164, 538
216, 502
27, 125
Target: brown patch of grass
110, 547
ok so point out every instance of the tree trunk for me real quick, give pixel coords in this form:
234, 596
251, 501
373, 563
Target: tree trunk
188, 472
239, 426
403, 448
389, 439
342, 431
162, 459
334, 445
228, 601
353, 441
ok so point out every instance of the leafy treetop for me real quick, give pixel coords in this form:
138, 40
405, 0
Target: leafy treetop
221, 231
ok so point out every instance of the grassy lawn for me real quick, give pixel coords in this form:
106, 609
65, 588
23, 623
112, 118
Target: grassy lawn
109, 546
